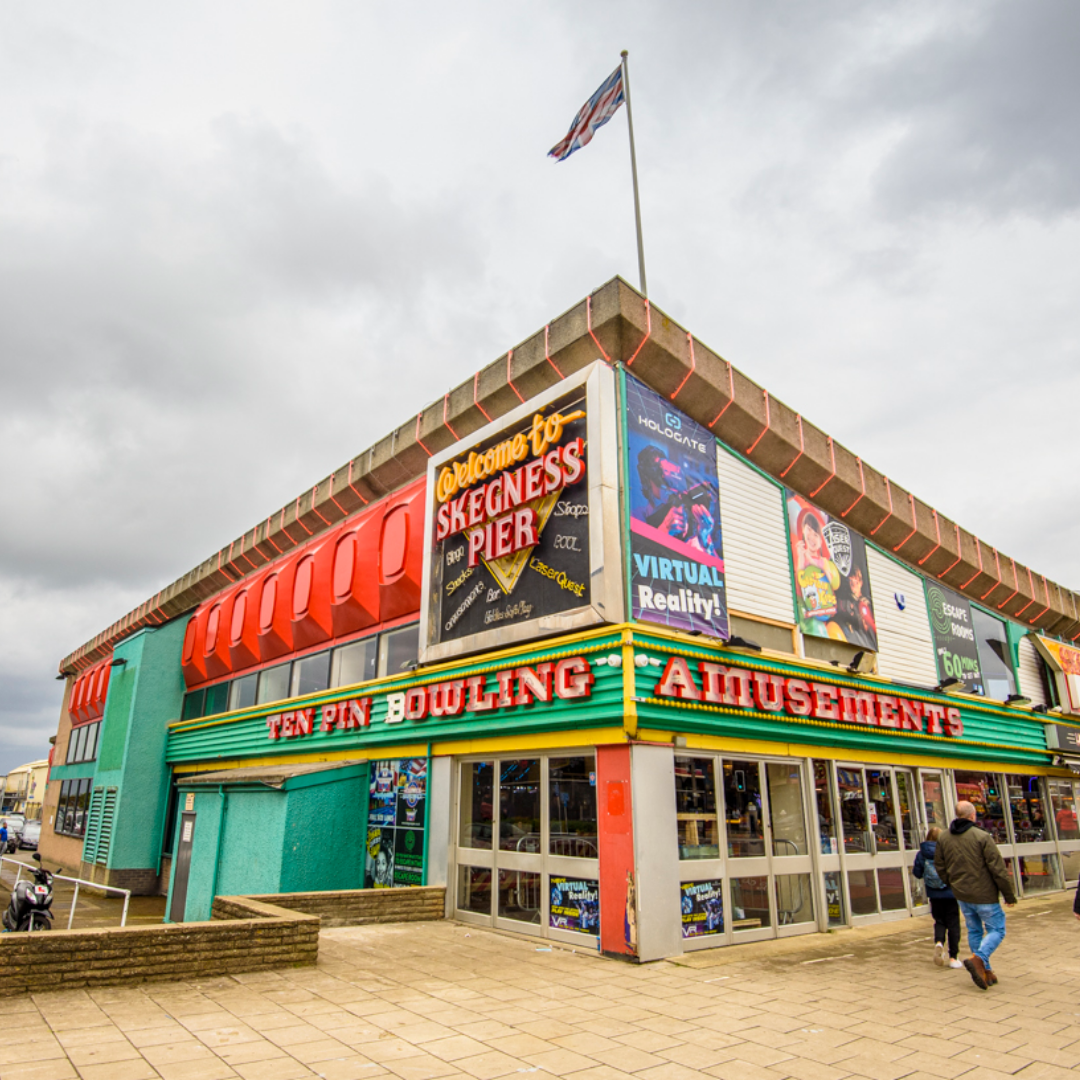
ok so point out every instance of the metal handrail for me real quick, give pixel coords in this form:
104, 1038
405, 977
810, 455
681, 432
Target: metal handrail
78, 881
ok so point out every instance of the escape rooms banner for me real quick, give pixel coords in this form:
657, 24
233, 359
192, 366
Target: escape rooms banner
955, 647
676, 550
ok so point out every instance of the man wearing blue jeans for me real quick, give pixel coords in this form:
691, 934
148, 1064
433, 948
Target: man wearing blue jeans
968, 861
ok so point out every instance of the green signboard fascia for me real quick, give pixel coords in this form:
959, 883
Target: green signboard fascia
245, 734
993, 733
73, 772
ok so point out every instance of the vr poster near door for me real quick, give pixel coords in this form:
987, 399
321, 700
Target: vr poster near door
832, 583
676, 547
395, 844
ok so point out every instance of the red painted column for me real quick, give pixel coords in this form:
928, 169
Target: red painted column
618, 926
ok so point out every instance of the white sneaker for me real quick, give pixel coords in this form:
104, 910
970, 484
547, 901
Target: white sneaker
939, 954
955, 964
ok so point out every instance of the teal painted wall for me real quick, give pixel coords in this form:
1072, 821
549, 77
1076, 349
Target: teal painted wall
252, 841
325, 835
145, 694
307, 836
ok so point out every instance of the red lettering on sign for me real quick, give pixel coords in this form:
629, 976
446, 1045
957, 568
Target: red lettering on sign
768, 692
478, 700
574, 678
934, 714
798, 697
954, 726
888, 713
448, 698
416, 703
738, 689
534, 684
712, 681
677, 681
825, 701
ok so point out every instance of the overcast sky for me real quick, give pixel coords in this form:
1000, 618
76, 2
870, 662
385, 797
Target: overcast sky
240, 242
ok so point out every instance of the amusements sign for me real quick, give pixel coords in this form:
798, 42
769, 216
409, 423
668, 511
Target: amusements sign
702, 908
395, 843
832, 583
955, 647
511, 539
575, 905
676, 549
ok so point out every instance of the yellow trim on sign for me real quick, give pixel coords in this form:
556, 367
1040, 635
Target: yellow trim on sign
413, 750
553, 740
630, 717
859, 757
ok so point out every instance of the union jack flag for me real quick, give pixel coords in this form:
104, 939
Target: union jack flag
595, 113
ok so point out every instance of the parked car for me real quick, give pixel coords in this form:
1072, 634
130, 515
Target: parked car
30, 835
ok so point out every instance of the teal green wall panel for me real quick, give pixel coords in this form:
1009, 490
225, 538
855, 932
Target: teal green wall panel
252, 836
206, 841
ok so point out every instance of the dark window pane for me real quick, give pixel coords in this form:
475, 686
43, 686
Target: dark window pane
80, 745
1026, 806
519, 805
242, 692
983, 791
994, 655
477, 804
400, 647
823, 801
695, 809
742, 807
273, 684
311, 674
853, 816
519, 896
217, 699
882, 810
92, 741
194, 705
474, 889
572, 807
355, 663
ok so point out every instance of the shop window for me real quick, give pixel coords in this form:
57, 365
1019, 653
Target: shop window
934, 800
882, 810
194, 705
905, 788
891, 888
695, 808
1065, 804
1026, 807
273, 684
572, 807
702, 908
477, 805
834, 899
853, 815
71, 810
82, 743
794, 899
311, 674
1039, 873
776, 638
399, 650
355, 663
217, 699
474, 889
519, 896
826, 814
242, 692
742, 805
995, 660
786, 809
1070, 865
750, 903
519, 805
862, 892
983, 791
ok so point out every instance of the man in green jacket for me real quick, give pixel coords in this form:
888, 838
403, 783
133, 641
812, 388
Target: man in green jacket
968, 861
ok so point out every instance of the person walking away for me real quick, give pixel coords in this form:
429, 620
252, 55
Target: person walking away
968, 861
3, 836
943, 905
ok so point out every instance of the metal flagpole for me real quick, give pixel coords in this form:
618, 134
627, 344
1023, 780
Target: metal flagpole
633, 170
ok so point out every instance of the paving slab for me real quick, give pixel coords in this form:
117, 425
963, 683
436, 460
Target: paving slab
439, 1001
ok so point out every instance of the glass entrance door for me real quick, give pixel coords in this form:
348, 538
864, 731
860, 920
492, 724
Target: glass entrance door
744, 849
526, 852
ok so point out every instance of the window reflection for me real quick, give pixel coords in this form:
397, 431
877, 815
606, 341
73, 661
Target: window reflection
1065, 803
742, 807
983, 791
695, 808
477, 804
572, 807
519, 805
1026, 807
826, 814
882, 809
853, 816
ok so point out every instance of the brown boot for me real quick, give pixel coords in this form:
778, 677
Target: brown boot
991, 978
977, 970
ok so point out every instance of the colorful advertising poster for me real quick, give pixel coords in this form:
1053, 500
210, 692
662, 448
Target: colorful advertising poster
832, 584
395, 842
955, 646
575, 905
676, 550
702, 908
515, 524
1064, 663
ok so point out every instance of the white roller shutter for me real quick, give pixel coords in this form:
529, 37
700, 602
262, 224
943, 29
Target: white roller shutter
756, 567
1030, 675
905, 644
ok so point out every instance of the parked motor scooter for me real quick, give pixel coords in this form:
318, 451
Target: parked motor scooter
31, 902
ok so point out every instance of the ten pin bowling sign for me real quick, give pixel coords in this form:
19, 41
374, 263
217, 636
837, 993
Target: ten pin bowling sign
522, 535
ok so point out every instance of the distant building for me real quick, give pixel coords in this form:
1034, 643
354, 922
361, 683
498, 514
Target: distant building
24, 789
610, 642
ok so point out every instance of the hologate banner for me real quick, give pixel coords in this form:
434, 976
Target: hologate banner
832, 583
575, 905
395, 842
955, 645
702, 908
676, 548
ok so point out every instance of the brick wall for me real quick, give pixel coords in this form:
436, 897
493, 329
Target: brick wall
245, 935
355, 907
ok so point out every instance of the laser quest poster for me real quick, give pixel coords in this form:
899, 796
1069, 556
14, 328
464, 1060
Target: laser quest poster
676, 548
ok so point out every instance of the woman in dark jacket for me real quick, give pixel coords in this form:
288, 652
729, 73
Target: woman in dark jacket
943, 905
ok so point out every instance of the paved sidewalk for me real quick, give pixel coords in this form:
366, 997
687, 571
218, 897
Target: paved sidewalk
427, 1001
